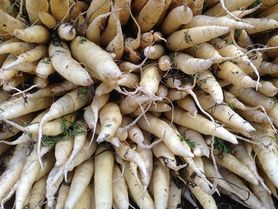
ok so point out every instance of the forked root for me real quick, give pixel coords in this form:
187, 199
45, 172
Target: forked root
149, 146
22, 139
268, 118
26, 90
9, 195
19, 127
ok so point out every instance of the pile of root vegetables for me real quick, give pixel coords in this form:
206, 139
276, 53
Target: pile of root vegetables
146, 104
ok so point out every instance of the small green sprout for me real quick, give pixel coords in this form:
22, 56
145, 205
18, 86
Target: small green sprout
220, 145
50, 141
82, 40
83, 93
46, 61
190, 142
76, 129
